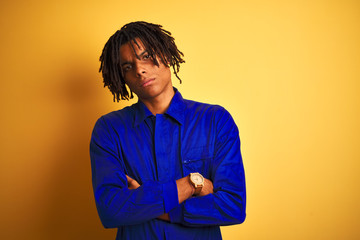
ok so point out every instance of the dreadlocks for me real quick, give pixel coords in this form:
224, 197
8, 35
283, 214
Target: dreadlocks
158, 42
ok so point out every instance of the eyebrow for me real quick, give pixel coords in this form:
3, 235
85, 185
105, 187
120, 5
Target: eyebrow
140, 55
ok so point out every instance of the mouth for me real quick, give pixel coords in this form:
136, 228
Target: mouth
147, 82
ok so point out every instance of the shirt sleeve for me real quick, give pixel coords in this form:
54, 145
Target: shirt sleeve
116, 204
227, 204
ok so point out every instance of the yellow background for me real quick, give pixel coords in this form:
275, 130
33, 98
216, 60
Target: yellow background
288, 72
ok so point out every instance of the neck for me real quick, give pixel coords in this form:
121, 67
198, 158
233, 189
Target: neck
159, 104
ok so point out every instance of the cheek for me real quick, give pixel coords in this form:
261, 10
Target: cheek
165, 71
129, 80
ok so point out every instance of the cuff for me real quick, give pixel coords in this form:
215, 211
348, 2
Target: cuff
176, 215
170, 196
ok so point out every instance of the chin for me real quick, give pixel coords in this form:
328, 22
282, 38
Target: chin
148, 95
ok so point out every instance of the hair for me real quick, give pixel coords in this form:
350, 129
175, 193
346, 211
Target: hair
158, 42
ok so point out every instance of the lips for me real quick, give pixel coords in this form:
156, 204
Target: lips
147, 82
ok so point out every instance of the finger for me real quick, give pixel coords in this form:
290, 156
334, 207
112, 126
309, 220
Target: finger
129, 179
132, 183
136, 184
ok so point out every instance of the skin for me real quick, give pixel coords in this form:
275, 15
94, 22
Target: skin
152, 84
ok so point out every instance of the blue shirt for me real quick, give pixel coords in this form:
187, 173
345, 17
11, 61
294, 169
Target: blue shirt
157, 150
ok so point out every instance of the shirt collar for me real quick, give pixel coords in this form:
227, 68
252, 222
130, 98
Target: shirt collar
141, 113
175, 110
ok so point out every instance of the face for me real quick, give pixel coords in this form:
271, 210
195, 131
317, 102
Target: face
143, 77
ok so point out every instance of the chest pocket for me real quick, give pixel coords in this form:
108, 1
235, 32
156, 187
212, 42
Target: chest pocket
197, 160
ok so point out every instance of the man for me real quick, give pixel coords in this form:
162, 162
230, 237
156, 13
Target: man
165, 167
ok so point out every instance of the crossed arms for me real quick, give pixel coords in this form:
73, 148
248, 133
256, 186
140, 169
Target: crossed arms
184, 188
121, 200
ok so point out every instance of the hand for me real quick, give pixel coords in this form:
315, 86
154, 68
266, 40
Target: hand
207, 189
164, 217
132, 184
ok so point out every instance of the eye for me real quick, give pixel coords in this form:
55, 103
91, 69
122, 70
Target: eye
146, 56
127, 68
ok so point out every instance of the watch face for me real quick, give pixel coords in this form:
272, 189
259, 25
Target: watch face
197, 178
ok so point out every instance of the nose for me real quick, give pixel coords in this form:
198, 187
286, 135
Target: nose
140, 68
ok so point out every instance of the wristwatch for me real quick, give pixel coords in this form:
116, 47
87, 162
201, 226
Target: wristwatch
197, 180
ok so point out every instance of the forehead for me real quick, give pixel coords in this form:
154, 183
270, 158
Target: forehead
131, 50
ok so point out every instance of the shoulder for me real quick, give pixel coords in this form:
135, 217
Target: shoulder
199, 108
124, 114
211, 115
122, 117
